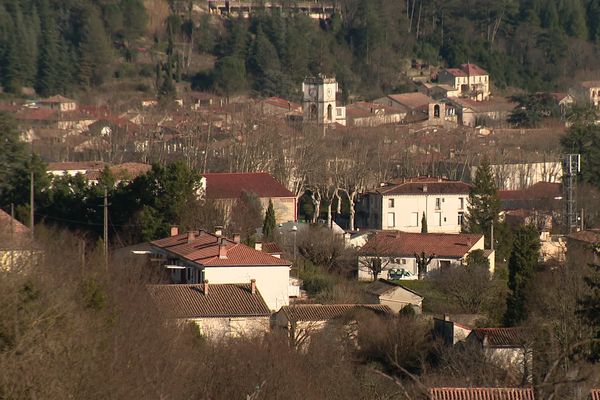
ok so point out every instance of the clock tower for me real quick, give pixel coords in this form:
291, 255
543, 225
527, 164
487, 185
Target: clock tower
319, 103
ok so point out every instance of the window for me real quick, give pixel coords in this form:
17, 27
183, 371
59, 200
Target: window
415, 218
439, 218
330, 113
391, 203
444, 264
436, 111
338, 111
461, 203
461, 219
391, 220
403, 261
438, 203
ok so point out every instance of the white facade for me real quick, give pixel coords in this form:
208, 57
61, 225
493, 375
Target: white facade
444, 212
319, 101
522, 175
272, 281
475, 86
231, 327
404, 267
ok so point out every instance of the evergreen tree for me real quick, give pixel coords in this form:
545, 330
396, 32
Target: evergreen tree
269, 223
48, 71
230, 75
95, 50
484, 204
521, 268
589, 305
424, 223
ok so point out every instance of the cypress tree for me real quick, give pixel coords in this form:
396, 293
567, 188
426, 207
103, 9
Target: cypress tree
484, 204
521, 268
424, 224
589, 305
269, 223
47, 81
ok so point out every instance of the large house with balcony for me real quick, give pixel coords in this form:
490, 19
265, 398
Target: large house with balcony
470, 80
401, 204
199, 256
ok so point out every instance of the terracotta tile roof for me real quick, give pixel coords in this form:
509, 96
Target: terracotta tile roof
17, 227
271, 248
424, 185
222, 300
399, 244
447, 393
36, 114
130, 170
323, 312
383, 286
472, 69
56, 100
590, 84
76, 165
501, 337
283, 103
204, 250
412, 100
591, 236
537, 191
497, 104
231, 185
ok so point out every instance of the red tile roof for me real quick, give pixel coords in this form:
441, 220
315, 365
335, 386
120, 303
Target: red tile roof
399, 244
446, 393
222, 300
412, 100
591, 236
204, 250
457, 72
501, 337
537, 191
130, 170
36, 114
283, 103
7, 223
424, 185
76, 165
271, 248
473, 70
231, 185
320, 312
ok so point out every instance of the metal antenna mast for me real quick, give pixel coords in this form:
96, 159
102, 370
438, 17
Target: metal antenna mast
571, 168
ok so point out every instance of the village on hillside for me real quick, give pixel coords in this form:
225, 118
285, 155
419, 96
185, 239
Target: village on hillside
440, 241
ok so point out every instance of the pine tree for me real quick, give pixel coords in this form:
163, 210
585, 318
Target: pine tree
521, 268
484, 204
269, 223
424, 223
95, 50
589, 305
48, 80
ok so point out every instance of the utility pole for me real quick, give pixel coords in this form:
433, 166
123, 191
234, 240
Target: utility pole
31, 202
105, 235
492, 236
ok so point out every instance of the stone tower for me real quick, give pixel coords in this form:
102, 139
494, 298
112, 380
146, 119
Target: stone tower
319, 101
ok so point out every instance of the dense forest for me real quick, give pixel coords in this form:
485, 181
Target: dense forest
61, 46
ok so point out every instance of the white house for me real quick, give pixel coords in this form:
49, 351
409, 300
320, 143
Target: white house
472, 81
395, 253
196, 256
401, 205
395, 296
219, 310
515, 176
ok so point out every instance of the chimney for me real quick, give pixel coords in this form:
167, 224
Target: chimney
218, 231
190, 236
205, 287
486, 340
424, 188
174, 230
253, 285
258, 246
222, 249
446, 317
237, 238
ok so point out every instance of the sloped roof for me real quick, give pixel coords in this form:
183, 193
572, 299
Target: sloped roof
323, 312
271, 248
447, 393
591, 236
424, 185
222, 300
76, 165
130, 170
203, 250
383, 286
590, 84
7, 223
537, 191
283, 104
398, 244
472, 69
412, 100
501, 337
231, 185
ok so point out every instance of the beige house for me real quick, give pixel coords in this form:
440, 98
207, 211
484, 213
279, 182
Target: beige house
507, 347
17, 248
58, 103
588, 92
394, 253
365, 114
301, 321
395, 296
470, 80
197, 256
400, 205
227, 188
219, 310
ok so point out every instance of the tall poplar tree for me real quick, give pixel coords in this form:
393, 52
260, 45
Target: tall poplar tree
521, 268
269, 223
484, 203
